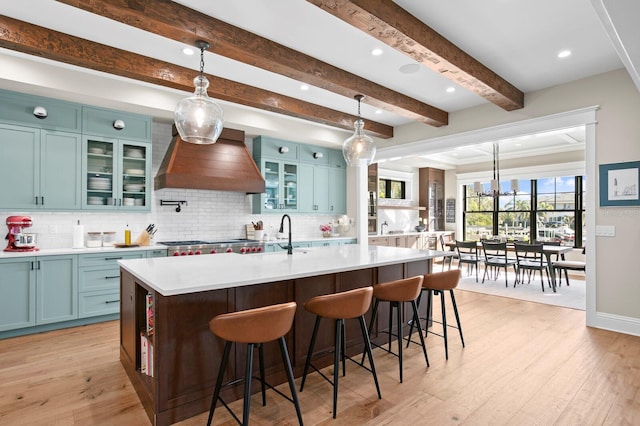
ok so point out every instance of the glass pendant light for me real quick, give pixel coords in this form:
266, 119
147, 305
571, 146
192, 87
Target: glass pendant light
359, 149
198, 118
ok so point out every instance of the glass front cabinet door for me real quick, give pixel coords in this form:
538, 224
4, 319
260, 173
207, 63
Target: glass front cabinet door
116, 174
281, 187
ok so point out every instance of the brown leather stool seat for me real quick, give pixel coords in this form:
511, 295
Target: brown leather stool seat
437, 284
254, 327
397, 293
340, 306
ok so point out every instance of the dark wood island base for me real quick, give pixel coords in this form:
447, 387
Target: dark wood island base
186, 354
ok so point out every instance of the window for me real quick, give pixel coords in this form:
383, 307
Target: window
394, 189
549, 209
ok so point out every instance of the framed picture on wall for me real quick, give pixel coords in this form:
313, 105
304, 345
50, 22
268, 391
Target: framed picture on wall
619, 184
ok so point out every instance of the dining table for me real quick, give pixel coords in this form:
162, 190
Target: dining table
548, 250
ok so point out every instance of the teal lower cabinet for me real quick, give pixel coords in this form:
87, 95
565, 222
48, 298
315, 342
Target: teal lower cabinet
17, 293
42, 293
38, 290
99, 289
329, 243
56, 288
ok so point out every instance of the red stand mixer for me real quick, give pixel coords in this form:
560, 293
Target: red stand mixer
19, 240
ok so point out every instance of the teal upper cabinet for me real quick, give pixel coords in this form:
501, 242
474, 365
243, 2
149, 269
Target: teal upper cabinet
116, 174
336, 159
278, 163
65, 156
299, 178
44, 168
275, 149
115, 124
36, 111
314, 155
338, 193
281, 187
314, 189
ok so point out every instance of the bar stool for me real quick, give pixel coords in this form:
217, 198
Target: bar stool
340, 306
436, 284
254, 327
397, 293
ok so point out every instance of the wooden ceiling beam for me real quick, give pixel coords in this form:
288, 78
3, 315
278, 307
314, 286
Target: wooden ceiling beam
177, 22
45, 43
392, 25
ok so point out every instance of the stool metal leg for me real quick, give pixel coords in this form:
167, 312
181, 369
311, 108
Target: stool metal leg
444, 325
336, 364
455, 311
365, 336
261, 360
311, 346
416, 320
399, 314
247, 385
292, 385
221, 370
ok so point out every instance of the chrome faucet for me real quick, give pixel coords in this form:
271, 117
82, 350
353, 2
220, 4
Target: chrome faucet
288, 247
382, 227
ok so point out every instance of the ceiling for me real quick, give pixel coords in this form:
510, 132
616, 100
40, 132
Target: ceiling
518, 41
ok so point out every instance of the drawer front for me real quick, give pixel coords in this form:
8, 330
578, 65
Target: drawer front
108, 260
92, 279
99, 303
98, 121
19, 108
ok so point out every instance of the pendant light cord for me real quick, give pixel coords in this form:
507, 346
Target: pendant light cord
201, 60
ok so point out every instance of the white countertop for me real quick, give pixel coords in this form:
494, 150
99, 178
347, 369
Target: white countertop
189, 274
85, 250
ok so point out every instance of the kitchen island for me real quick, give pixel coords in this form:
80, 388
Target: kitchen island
184, 293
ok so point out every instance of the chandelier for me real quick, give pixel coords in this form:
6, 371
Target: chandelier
494, 189
359, 148
198, 118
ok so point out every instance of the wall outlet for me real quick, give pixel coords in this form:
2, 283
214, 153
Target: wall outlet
605, 231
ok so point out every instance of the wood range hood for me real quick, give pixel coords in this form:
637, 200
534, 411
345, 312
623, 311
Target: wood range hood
225, 165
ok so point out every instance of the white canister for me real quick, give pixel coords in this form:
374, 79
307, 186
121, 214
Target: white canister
94, 239
108, 239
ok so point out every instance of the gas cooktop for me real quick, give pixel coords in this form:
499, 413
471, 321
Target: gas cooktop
200, 242
196, 247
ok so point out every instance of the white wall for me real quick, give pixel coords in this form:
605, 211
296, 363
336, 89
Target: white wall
614, 260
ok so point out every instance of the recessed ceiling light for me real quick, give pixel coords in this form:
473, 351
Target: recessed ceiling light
304, 87
451, 89
564, 53
409, 68
188, 51
376, 52
378, 111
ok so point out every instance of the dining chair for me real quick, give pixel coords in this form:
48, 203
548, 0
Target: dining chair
468, 254
531, 258
495, 257
444, 239
568, 265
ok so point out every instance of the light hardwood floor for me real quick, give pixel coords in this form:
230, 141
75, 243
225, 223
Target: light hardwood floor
524, 364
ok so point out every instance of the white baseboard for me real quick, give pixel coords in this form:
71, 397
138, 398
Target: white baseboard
618, 323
